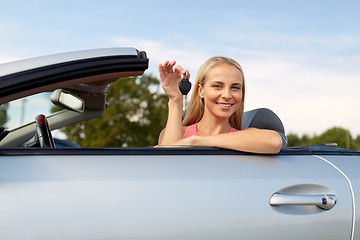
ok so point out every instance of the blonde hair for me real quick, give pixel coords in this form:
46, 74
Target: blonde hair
197, 107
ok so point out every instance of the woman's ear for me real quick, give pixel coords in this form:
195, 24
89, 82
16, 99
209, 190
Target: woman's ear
200, 91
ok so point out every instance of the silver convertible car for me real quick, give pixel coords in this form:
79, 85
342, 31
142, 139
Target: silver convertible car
52, 192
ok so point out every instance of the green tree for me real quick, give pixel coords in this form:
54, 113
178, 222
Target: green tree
337, 135
357, 140
3, 114
305, 139
135, 116
294, 140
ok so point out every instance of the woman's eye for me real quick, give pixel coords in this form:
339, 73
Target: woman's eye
236, 88
216, 86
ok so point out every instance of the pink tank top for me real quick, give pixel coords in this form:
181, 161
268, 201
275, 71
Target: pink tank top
191, 130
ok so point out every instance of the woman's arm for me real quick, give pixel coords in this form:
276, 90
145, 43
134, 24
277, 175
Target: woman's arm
170, 78
173, 130
248, 140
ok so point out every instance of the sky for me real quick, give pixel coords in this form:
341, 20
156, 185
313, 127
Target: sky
301, 59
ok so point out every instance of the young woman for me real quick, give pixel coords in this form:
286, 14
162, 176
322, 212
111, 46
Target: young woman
216, 107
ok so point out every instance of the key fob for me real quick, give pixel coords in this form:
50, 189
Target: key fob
184, 86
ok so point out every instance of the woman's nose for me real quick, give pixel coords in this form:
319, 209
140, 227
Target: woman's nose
226, 93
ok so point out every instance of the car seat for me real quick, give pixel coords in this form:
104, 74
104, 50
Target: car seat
264, 118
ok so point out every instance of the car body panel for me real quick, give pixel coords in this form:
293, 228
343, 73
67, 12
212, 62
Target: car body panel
164, 195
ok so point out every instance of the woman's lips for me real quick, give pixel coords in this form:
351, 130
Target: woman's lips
224, 104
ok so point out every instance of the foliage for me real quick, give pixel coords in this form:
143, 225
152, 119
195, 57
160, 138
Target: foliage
357, 141
135, 116
294, 140
3, 114
337, 135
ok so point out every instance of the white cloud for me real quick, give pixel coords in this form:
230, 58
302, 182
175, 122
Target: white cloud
307, 101
158, 52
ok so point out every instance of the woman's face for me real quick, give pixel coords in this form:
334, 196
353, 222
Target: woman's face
222, 90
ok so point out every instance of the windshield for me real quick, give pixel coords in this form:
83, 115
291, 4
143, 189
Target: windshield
24, 110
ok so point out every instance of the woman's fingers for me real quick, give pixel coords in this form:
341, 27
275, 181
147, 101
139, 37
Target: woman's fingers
169, 66
187, 74
179, 70
170, 76
167, 69
161, 71
184, 72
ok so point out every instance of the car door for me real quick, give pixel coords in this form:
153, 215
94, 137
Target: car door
174, 193
348, 165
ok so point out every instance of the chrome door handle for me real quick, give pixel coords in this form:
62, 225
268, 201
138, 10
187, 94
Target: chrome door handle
324, 201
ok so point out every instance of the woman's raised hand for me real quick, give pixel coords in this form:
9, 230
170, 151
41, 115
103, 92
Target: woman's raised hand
170, 77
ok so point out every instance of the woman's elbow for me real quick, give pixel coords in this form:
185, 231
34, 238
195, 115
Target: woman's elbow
276, 143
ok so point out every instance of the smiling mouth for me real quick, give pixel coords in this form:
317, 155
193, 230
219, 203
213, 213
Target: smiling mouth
224, 104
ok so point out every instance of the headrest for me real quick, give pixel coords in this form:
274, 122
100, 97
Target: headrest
264, 118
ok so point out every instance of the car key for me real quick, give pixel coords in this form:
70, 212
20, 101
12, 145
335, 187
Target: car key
184, 86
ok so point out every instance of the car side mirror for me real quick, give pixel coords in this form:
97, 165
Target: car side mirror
66, 100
